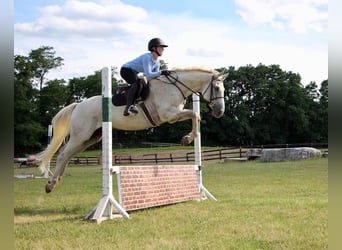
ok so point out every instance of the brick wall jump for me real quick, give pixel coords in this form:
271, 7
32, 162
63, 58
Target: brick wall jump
150, 186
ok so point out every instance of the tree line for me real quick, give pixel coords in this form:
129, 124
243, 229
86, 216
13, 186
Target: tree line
265, 105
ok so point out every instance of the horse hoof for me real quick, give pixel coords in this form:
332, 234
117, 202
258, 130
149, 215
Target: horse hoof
48, 189
184, 141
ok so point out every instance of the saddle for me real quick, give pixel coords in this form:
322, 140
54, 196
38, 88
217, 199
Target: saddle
149, 110
120, 96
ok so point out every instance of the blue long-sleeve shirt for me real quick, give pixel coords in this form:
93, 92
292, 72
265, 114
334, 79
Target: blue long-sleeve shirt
144, 63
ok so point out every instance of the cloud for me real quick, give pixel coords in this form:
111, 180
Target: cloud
202, 52
87, 20
90, 35
300, 16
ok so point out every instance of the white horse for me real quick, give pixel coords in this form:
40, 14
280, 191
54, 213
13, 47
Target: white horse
83, 121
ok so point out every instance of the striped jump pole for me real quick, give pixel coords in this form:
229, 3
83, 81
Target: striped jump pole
198, 151
104, 209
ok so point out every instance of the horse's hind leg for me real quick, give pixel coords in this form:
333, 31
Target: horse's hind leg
70, 150
62, 160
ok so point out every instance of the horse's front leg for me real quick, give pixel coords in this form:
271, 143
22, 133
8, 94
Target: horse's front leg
186, 115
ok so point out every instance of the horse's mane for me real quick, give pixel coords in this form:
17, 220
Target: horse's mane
195, 68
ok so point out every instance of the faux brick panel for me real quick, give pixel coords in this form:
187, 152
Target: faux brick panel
150, 186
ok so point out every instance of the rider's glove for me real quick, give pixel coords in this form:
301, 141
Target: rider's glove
165, 72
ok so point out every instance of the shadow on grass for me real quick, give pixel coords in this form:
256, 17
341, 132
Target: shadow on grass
29, 215
73, 214
47, 211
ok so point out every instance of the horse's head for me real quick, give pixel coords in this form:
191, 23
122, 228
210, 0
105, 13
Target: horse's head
213, 93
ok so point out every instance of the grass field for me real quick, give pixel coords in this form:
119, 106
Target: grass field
281, 205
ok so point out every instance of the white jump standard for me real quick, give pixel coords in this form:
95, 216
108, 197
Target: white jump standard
104, 209
198, 149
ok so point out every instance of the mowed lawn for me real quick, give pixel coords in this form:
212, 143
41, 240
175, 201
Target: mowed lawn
281, 205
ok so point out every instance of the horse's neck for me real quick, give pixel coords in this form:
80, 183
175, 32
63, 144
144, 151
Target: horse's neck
194, 81
189, 82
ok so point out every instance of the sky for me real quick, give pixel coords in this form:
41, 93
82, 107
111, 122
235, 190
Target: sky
90, 35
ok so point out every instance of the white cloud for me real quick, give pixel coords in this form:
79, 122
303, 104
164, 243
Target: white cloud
300, 16
202, 52
84, 19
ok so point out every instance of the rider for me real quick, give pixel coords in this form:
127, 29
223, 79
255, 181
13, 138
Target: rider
147, 63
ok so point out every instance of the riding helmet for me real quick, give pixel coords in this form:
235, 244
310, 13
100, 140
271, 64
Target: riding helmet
156, 42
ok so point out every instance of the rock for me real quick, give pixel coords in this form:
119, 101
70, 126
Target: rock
287, 154
254, 153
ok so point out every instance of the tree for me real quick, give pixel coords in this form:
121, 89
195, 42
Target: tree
265, 105
85, 87
27, 127
42, 61
317, 112
323, 113
29, 75
53, 97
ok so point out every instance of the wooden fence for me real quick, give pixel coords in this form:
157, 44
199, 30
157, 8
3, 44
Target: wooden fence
207, 155
156, 158
85, 160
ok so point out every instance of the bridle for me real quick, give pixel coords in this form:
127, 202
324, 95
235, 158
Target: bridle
174, 80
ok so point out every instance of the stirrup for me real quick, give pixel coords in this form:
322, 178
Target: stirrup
133, 109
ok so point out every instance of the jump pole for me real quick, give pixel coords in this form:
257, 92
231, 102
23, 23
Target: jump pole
198, 155
104, 208
47, 169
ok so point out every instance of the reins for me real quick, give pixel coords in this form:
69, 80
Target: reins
173, 80
181, 83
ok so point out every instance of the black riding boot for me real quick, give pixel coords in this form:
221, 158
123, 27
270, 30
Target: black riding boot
130, 100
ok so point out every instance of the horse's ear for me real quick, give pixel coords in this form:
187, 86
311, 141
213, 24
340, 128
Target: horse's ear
222, 76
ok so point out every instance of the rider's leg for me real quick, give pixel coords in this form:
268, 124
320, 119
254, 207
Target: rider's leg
130, 76
130, 100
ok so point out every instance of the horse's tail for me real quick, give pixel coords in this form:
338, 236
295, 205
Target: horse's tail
61, 129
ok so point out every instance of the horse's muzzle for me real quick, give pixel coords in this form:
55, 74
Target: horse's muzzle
217, 114
217, 110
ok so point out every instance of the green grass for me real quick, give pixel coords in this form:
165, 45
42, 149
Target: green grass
281, 205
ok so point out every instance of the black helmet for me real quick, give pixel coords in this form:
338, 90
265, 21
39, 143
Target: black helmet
156, 42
